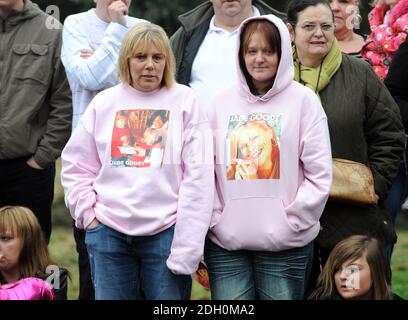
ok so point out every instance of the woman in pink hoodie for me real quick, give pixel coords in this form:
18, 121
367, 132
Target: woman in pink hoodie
273, 172
145, 222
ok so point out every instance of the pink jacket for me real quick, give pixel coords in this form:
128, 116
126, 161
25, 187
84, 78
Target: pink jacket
27, 289
385, 38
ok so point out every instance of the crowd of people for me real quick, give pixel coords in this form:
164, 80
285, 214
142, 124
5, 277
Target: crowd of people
209, 149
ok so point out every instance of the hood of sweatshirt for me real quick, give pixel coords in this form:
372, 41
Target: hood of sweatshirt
285, 72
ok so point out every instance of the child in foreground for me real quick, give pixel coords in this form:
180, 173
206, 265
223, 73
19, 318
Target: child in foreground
355, 270
25, 263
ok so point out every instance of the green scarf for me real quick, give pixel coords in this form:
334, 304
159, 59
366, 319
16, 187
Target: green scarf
318, 78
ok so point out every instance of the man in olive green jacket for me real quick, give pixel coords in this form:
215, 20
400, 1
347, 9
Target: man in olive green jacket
35, 107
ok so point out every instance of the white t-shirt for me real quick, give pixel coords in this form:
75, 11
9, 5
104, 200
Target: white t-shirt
215, 67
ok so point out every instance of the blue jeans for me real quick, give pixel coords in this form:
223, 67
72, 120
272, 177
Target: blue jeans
263, 275
393, 203
133, 267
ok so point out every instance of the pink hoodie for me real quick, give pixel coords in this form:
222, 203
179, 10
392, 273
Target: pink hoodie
165, 174
277, 209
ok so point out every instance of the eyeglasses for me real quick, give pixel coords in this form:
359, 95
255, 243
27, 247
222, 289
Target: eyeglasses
311, 27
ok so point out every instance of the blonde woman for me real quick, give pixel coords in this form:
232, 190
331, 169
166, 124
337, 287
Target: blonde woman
145, 223
254, 152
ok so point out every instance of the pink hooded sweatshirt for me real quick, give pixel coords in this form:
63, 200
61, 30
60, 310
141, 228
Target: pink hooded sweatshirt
279, 208
167, 179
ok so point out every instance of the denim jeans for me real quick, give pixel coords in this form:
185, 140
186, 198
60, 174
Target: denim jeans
263, 275
393, 203
133, 267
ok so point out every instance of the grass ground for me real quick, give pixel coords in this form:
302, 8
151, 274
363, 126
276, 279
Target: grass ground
62, 247
399, 261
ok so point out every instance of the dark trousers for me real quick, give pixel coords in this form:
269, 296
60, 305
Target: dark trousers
393, 203
86, 288
21, 185
320, 256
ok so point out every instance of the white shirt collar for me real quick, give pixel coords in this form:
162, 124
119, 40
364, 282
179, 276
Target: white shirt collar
214, 28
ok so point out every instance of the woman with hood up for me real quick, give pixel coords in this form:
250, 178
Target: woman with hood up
273, 172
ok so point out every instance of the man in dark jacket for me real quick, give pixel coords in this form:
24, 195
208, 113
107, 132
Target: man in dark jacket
35, 107
204, 45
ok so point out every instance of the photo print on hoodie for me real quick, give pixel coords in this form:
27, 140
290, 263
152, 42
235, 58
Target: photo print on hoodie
253, 146
139, 138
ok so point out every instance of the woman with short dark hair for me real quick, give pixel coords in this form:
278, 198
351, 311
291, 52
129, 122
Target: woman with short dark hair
364, 121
